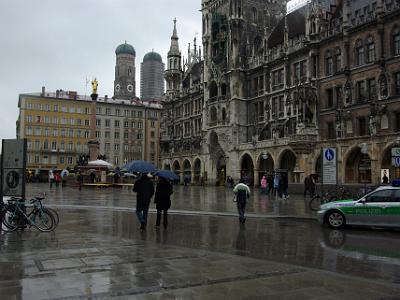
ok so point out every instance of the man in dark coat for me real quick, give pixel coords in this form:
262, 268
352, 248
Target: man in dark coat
162, 200
309, 185
145, 190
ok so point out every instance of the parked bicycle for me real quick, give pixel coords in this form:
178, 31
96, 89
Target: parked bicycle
339, 193
19, 215
317, 200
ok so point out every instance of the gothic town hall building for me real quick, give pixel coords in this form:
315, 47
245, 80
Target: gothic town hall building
273, 87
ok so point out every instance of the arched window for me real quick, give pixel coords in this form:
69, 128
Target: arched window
213, 115
359, 53
213, 90
254, 10
257, 45
396, 40
328, 63
338, 60
223, 89
370, 50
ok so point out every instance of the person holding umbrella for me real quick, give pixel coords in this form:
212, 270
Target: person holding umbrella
162, 200
144, 191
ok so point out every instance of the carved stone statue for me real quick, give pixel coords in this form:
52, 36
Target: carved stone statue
339, 129
275, 134
383, 86
94, 86
347, 93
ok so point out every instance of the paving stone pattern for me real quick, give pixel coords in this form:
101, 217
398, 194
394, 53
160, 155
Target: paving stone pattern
90, 263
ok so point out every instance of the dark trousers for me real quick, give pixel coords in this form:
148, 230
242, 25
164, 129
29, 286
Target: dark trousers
241, 206
2, 214
165, 217
142, 215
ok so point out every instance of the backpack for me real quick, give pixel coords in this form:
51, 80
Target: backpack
241, 196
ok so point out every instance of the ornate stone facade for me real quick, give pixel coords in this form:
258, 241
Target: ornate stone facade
278, 87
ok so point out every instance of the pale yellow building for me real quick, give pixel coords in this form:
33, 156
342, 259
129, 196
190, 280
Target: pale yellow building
57, 127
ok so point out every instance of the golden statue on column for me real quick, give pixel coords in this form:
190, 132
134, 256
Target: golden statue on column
95, 84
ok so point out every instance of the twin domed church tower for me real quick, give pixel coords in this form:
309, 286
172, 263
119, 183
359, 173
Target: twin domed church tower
152, 74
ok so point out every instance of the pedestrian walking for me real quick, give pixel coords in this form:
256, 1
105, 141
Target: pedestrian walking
80, 180
270, 184
162, 200
276, 183
51, 178
57, 178
264, 185
309, 185
144, 191
285, 185
64, 175
242, 192
230, 182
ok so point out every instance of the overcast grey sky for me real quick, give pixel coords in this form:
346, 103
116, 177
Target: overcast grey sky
58, 43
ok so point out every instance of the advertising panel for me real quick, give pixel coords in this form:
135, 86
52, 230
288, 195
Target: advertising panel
13, 167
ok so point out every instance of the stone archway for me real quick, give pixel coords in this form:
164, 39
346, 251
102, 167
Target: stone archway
358, 167
288, 162
197, 170
247, 169
266, 165
218, 158
167, 166
187, 170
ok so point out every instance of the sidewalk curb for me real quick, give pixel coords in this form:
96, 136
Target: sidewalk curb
186, 212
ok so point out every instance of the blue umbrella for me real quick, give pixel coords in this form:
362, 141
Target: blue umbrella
140, 166
167, 174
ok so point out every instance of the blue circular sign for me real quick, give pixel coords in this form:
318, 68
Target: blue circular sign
329, 154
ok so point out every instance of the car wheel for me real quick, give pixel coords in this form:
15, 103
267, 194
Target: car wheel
335, 219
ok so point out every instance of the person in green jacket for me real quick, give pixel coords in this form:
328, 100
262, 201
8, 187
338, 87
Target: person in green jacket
242, 192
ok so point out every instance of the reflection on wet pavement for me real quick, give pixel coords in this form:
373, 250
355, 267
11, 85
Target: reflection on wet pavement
192, 198
103, 255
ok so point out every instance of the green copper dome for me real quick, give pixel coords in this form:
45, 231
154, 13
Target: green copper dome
125, 49
152, 56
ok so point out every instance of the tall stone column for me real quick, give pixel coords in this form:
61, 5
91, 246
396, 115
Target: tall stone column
94, 149
256, 178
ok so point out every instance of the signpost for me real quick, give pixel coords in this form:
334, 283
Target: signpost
13, 167
329, 166
396, 157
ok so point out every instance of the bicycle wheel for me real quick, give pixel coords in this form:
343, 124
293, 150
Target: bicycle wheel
43, 220
54, 213
10, 222
315, 203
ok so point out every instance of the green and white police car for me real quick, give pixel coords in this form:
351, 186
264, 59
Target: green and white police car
379, 208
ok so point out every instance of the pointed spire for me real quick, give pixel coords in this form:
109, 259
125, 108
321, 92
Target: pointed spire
174, 49
175, 34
